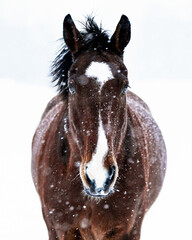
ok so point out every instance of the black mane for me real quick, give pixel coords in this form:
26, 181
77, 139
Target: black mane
94, 37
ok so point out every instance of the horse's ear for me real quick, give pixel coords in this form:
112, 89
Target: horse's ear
122, 35
71, 35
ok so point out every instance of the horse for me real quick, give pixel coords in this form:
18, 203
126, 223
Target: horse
98, 156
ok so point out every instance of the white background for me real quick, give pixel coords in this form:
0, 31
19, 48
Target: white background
159, 63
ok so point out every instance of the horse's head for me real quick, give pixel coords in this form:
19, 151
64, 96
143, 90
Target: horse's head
97, 83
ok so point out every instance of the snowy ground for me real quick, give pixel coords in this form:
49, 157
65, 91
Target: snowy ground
21, 107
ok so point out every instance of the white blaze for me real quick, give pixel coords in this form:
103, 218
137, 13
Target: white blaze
95, 168
99, 70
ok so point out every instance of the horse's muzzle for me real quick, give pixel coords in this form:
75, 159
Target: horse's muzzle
93, 190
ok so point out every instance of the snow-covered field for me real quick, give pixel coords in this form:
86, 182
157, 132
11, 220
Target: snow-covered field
21, 106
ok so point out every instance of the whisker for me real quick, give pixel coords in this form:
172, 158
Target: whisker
75, 177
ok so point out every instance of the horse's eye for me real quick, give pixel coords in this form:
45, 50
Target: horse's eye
72, 89
124, 89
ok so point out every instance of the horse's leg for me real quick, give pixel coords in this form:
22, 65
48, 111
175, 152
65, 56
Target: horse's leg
73, 234
51, 231
87, 233
135, 233
52, 234
136, 230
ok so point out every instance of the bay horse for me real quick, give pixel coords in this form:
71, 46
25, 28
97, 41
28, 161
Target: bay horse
98, 156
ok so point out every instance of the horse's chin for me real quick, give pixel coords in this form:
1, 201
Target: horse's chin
98, 195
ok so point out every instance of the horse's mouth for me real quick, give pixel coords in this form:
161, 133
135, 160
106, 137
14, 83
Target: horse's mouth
100, 193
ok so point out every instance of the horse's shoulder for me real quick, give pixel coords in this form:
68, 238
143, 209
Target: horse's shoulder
57, 100
54, 110
136, 103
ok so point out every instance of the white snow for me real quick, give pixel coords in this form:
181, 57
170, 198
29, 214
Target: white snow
106, 206
85, 223
21, 108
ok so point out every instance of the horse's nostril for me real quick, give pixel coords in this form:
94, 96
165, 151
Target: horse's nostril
110, 178
91, 183
112, 172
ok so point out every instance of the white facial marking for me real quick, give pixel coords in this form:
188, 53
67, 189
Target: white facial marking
95, 168
99, 70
